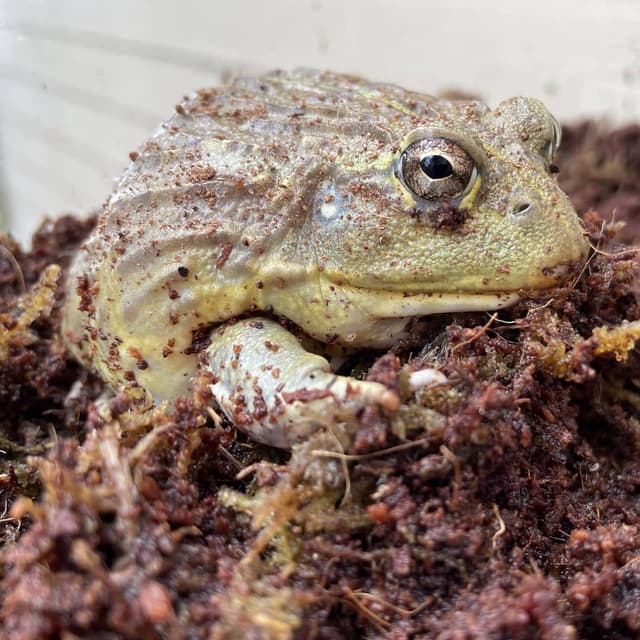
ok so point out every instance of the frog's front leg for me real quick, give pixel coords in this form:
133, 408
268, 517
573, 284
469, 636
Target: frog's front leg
270, 387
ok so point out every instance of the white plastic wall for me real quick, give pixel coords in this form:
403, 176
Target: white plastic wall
83, 82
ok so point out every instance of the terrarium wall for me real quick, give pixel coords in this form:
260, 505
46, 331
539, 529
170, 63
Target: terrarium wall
84, 83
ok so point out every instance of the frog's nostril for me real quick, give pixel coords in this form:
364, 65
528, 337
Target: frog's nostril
521, 209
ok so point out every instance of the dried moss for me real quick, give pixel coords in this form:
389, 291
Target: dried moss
500, 501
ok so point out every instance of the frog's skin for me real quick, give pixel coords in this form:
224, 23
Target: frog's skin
294, 196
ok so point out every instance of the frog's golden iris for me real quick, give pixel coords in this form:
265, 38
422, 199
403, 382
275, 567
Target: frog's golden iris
436, 169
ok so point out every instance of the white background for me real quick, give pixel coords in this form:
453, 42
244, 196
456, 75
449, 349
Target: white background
84, 82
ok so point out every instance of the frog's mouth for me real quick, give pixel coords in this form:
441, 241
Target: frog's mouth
387, 303
376, 316
372, 316
467, 293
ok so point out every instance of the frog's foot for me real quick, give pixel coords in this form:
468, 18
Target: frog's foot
271, 388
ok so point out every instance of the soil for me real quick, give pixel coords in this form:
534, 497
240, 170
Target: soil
503, 501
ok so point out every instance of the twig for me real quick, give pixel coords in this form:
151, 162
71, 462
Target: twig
457, 474
323, 453
405, 613
477, 334
501, 528
16, 266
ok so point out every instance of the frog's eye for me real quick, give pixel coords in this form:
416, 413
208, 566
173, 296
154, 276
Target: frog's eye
437, 169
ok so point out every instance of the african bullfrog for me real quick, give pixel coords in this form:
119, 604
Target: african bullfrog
315, 205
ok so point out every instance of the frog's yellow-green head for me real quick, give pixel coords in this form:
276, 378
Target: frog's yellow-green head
456, 210
414, 205
461, 205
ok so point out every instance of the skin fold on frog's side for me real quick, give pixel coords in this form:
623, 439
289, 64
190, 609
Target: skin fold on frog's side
343, 206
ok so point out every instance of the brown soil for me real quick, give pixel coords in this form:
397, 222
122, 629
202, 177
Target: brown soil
504, 503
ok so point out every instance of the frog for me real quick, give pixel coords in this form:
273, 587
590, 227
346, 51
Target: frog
281, 213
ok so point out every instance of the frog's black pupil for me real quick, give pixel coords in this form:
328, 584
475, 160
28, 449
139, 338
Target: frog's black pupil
436, 167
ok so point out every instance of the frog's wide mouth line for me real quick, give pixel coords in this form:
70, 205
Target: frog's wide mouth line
387, 303
548, 278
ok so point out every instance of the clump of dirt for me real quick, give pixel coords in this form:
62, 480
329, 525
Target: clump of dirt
500, 501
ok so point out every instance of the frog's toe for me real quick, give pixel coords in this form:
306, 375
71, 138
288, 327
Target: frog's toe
362, 393
335, 405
